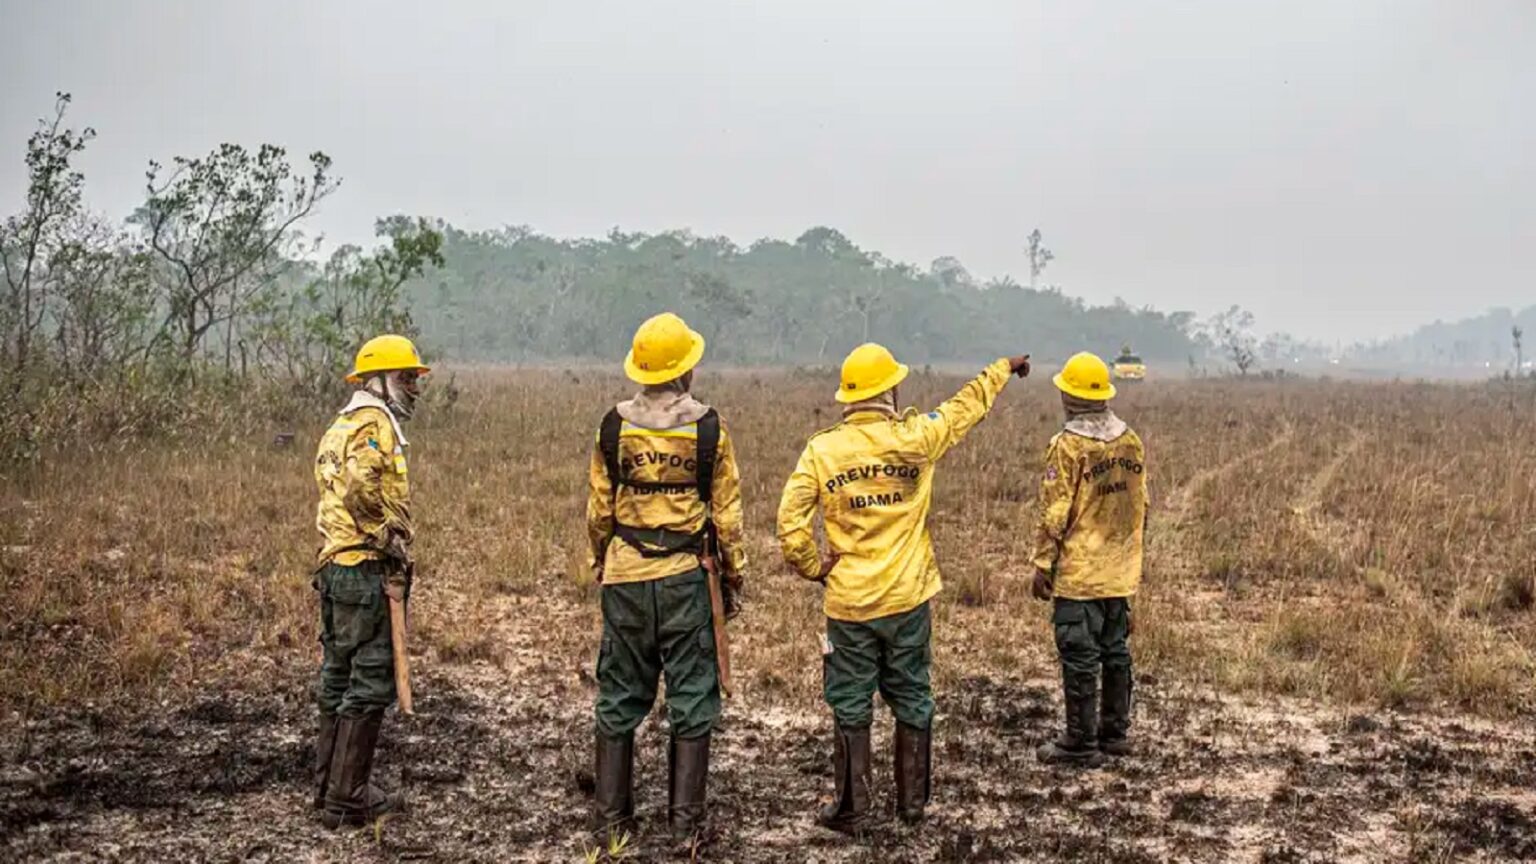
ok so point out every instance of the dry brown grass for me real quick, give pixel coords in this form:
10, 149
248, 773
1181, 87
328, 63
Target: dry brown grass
1354, 543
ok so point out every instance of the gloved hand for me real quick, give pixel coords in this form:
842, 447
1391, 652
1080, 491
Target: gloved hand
397, 584
391, 544
827, 564
1043, 587
1019, 365
730, 594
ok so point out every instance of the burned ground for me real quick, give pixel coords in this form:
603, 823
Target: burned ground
497, 776
1334, 643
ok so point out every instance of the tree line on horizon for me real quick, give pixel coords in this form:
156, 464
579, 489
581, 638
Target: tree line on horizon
207, 304
515, 295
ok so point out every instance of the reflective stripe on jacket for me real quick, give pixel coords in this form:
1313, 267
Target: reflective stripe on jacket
871, 476
664, 456
365, 495
1093, 511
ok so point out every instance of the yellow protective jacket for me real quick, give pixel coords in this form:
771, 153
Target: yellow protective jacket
872, 478
365, 494
1093, 509
662, 453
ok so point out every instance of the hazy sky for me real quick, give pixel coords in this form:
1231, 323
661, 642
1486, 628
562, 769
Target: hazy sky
1345, 169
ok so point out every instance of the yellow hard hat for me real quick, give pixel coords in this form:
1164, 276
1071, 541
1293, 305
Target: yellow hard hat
868, 371
1086, 377
664, 349
386, 353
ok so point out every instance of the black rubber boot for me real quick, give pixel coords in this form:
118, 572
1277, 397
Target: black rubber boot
350, 798
688, 759
325, 749
850, 769
614, 798
914, 778
1078, 745
1115, 713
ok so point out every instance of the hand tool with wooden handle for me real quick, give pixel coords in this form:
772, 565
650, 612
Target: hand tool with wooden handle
717, 613
402, 659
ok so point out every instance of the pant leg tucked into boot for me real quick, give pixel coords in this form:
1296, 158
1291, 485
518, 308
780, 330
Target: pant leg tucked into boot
686, 640
628, 668
850, 672
1115, 707
1076, 623
357, 683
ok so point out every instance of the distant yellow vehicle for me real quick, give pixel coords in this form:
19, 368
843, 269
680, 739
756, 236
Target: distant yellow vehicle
1129, 367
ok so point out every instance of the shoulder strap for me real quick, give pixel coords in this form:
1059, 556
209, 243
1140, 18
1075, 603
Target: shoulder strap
709, 447
608, 443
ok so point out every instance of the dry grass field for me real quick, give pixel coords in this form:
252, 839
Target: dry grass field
1334, 639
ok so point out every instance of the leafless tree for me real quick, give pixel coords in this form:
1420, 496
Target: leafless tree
1039, 257
1232, 334
219, 225
30, 239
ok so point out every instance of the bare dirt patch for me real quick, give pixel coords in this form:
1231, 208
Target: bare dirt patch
503, 775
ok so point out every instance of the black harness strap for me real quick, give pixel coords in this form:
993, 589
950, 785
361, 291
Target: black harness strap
660, 542
709, 448
608, 443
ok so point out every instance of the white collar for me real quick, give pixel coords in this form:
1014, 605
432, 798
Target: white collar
364, 399
662, 409
1104, 426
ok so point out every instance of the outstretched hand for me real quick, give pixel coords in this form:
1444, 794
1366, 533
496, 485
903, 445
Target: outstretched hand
1019, 365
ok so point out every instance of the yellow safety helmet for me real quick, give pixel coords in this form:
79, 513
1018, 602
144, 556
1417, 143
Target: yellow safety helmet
1087, 377
868, 371
387, 353
664, 349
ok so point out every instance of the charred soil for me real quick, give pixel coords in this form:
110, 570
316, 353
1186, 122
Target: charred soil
497, 776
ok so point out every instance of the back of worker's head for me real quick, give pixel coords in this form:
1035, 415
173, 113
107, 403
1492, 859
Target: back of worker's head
1084, 384
663, 353
869, 370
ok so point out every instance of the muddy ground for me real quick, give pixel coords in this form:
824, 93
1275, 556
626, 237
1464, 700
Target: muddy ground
495, 773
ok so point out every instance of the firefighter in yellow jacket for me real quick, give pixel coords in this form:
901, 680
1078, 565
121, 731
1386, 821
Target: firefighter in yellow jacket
1088, 556
664, 492
871, 477
365, 519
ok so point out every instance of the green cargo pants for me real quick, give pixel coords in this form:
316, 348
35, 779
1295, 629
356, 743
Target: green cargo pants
892, 654
1093, 635
357, 672
651, 628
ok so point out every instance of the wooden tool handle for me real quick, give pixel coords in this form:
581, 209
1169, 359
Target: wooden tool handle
402, 659
717, 616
